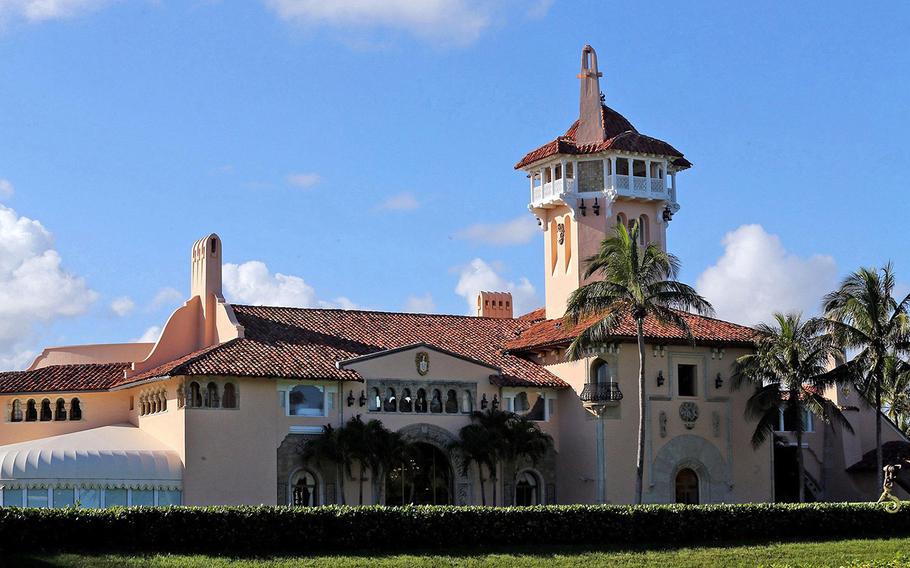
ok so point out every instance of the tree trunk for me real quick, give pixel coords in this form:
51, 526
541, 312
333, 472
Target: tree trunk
361, 484
483, 492
341, 483
494, 478
878, 432
640, 459
800, 468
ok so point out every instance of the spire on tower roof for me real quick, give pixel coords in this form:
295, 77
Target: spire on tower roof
590, 120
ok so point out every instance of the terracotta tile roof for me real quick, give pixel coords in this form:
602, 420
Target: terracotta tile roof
302, 343
63, 378
619, 134
553, 332
535, 316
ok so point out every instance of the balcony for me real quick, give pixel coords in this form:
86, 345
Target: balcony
600, 394
550, 194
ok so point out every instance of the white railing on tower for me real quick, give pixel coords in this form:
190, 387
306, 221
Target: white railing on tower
640, 184
657, 185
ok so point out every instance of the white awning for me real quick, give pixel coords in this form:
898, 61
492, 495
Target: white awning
110, 456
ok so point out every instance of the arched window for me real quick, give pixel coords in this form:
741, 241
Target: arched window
60, 410
527, 489
436, 402
420, 405
521, 403
75, 409
567, 246
162, 397
391, 401
406, 404
600, 372
31, 411
16, 412
195, 395
621, 219
306, 400
305, 490
375, 399
687, 487
46, 414
467, 403
644, 231
229, 400
211, 395
451, 402
554, 250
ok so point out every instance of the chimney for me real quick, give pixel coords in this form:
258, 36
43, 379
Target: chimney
590, 117
205, 282
494, 305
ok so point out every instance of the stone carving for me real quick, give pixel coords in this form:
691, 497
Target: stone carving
715, 423
688, 412
662, 420
422, 361
561, 233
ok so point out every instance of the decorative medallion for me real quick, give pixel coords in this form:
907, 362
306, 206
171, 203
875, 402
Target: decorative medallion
422, 360
561, 233
688, 412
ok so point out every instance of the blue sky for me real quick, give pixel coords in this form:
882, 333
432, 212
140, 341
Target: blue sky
347, 151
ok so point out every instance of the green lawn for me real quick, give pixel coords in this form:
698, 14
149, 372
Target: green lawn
853, 553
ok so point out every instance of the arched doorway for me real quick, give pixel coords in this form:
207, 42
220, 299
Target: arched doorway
527, 489
424, 479
687, 487
304, 489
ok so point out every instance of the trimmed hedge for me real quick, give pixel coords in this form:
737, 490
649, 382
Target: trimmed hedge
282, 530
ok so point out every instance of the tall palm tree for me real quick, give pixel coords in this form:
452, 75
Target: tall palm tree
355, 440
789, 372
387, 449
476, 446
525, 439
329, 446
863, 315
896, 391
632, 281
495, 423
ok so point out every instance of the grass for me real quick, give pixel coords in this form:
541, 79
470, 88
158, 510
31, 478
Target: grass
853, 553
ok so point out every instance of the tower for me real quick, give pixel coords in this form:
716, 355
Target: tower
601, 172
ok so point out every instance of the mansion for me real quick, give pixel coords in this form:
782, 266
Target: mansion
216, 411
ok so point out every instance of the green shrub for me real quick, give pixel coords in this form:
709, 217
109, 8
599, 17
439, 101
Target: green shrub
271, 530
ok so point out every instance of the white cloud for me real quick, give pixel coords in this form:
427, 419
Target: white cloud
41, 10
253, 283
34, 288
756, 277
518, 231
479, 275
303, 180
122, 306
420, 304
401, 202
6, 188
457, 22
166, 297
151, 335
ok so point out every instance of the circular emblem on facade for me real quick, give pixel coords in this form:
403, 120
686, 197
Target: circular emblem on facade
422, 360
688, 412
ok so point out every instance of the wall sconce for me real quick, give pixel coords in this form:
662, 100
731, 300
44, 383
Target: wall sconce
583, 209
596, 207
717, 353
495, 402
350, 398
539, 222
659, 350
363, 399
660, 378
668, 214
719, 381
483, 402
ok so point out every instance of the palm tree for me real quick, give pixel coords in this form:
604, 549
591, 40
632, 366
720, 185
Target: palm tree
525, 439
355, 440
633, 281
495, 424
863, 315
387, 449
789, 372
896, 391
476, 446
328, 446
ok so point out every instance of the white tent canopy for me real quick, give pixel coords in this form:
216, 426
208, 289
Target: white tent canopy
110, 456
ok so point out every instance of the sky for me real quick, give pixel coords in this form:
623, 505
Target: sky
360, 153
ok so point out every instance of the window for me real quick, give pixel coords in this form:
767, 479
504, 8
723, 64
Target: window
75, 409
600, 372
168, 498
305, 490
211, 395
90, 498
451, 402
230, 396
687, 487
195, 395
520, 404
436, 403
16, 412
391, 403
46, 414
306, 400
421, 404
31, 411
142, 498
685, 378
467, 405
13, 497
64, 498
60, 410
787, 421
36, 497
406, 404
621, 220
644, 234
527, 490
115, 498
375, 399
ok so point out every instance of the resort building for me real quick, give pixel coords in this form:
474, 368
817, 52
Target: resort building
216, 411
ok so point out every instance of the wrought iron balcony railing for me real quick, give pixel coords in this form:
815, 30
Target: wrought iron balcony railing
601, 393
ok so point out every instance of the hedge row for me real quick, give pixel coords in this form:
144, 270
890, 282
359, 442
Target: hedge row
271, 530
